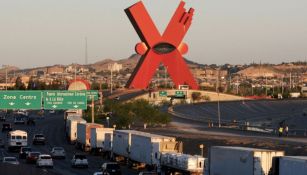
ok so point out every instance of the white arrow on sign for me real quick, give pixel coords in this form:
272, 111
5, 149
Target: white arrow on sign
28, 103
54, 106
11, 103
76, 106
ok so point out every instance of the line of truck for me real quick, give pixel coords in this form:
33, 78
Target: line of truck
164, 154
136, 148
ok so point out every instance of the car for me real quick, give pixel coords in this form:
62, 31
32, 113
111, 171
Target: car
24, 152
19, 119
111, 168
31, 121
148, 173
10, 160
52, 112
3, 117
6, 127
44, 160
79, 160
1, 143
39, 139
32, 157
98, 173
117, 98
22, 112
58, 152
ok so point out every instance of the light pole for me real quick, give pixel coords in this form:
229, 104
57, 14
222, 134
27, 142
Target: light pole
5, 66
201, 149
108, 121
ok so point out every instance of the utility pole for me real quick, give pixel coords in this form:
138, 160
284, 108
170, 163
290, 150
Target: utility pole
6, 77
111, 78
165, 78
290, 82
86, 58
93, 110
266, 86
218, 97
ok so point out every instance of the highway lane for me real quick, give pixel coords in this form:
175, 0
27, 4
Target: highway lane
52, 126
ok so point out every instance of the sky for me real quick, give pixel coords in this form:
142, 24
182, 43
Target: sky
47, 32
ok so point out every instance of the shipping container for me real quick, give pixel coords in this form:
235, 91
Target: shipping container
71, 128
224, 160
84, 134
98, 137
289, 165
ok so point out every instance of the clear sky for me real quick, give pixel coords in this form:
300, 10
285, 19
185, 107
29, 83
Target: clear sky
46, 32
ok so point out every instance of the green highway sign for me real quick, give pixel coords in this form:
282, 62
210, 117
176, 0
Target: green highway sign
92, 93
20, 99
162, 93
65, 100
179, 94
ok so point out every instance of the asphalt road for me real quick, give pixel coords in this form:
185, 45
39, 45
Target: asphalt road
257, 113
52, 126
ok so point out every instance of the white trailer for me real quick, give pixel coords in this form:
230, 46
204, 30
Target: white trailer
173, 163
147, 148
71, 128
84, 135
122, 142
17, 139
142, 148
289, 165
98, 137
226, 160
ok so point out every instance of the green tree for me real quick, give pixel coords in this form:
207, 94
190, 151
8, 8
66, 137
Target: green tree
19, 85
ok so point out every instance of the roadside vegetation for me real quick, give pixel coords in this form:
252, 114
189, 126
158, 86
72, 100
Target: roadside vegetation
135, 113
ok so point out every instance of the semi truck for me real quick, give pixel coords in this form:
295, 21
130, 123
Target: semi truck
172, 163
84, 135
141, 148
227, 160
98, 139
71, 128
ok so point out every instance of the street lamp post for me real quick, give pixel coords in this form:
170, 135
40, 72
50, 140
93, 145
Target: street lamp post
201, 149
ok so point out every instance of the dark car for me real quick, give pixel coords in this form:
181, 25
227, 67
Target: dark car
24, 152
39, 139
32, 157
30, 121
6, 127
3, 117
111, 168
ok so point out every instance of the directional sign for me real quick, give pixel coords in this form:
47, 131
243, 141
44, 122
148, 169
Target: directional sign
20, 99
179, 94
65, 100
162, 93
92, 93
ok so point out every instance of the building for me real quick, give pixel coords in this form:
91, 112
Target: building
55, 70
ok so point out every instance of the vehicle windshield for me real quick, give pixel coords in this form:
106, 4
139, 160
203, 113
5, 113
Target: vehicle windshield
39, 135
80, 157
58, 149
26, 149
45, 157
18, 137
113, 166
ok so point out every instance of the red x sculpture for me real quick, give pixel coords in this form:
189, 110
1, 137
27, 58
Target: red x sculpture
156, 49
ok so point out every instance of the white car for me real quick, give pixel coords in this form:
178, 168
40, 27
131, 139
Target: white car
79, 160
58, 152
44, 160
10, 160
97, 173
52, 112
